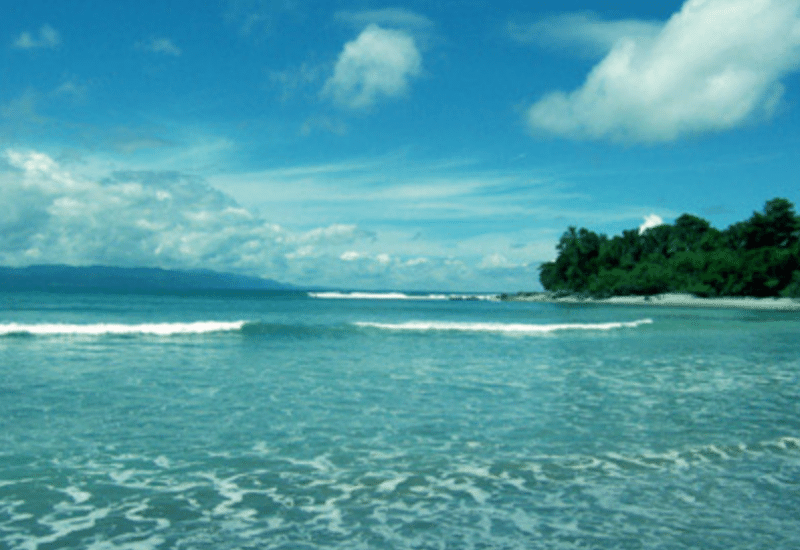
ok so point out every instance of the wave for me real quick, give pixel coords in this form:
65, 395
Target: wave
101, 329
335, 295
249, 328
509, 328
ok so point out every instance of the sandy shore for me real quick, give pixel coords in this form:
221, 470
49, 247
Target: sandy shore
673, 300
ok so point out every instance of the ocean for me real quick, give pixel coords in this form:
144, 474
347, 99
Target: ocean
294, 420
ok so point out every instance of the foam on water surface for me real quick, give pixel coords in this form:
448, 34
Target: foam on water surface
314, 426
499, 502
511, 328
98, 329
337, 295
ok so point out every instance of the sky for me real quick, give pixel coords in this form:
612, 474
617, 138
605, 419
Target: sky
356, 144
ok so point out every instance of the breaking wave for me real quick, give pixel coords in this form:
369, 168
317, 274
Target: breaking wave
510, 328
250, 328
243, 328
335, 295
101, 329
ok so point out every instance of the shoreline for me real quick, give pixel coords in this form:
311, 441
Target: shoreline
662, 300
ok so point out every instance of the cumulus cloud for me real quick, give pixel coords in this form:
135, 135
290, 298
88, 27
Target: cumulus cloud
175, 221
713, 66
161, 46
378, 64
47, 37
82, 214
129, 218
650, 221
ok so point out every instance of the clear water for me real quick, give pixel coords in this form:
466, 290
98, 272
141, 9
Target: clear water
297, 422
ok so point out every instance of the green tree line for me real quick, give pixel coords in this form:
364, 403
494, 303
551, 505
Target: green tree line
756, 257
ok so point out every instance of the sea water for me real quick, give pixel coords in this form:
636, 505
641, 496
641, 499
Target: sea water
293, 420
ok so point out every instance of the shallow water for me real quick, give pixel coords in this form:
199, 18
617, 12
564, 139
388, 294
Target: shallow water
309, 422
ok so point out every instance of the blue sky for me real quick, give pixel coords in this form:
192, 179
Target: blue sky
413, 145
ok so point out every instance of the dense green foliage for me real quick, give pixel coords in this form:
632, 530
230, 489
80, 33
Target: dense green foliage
756, 257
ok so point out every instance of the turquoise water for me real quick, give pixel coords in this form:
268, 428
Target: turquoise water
298, 422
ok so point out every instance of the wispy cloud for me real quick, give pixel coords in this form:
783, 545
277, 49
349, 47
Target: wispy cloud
130, 144
450, 190
254, 18
22, 108
299, 81
71, 88
325, 124
713, 66
369, 223
398, 18
377, 65
160, 46
46, 38
583, 32
174, 220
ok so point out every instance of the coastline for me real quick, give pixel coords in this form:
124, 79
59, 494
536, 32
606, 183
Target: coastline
662, 300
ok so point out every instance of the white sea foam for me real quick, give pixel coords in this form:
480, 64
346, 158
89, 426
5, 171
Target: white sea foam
335, 295
98, 329
61, 527
376, 296
511, 328
150, 543
134, 514
390, 485
77, 495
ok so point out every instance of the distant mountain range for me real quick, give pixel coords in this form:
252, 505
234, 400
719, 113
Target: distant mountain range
64, 277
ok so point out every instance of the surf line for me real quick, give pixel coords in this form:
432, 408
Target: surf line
97, 329
336, 295
512, 328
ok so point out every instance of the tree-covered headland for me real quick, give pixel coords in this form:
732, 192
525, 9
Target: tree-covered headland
756, 257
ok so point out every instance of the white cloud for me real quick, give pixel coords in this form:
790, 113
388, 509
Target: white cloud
713, 66
387, 17
378, 64
497, 261
47, 37
351, 256
167, 219
650, 221
91, 211
129, 218
416, 261
336, 233
161, 46
584, 31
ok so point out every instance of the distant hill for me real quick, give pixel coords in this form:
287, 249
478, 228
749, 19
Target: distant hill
64, 277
